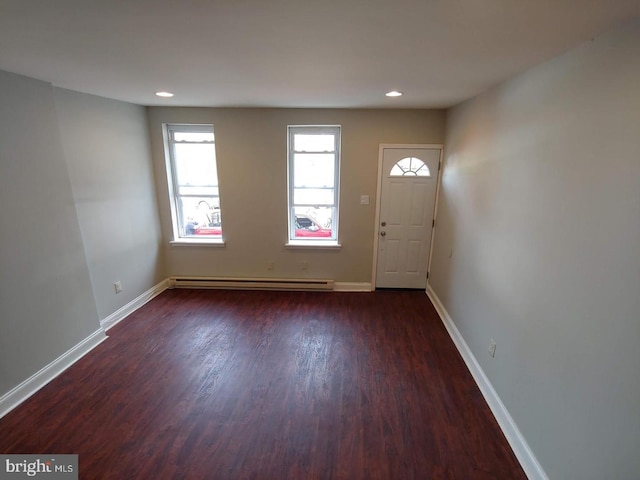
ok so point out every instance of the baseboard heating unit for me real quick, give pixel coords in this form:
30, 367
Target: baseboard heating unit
235, 283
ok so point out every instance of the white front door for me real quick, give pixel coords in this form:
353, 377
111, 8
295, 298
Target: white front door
407, 199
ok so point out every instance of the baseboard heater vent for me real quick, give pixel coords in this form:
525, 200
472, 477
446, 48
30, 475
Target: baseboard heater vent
232, 283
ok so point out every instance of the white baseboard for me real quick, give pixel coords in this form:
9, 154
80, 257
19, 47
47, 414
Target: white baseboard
519, 445
31, 385
35, 382
352, 287
134, 304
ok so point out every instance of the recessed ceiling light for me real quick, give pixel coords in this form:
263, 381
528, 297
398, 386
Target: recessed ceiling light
393, 93
164, 94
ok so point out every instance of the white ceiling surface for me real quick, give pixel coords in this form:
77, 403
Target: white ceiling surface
293, 53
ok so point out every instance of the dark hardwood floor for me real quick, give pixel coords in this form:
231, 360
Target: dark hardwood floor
202, 384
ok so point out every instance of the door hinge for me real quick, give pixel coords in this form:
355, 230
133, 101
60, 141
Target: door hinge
433, 223
427, 274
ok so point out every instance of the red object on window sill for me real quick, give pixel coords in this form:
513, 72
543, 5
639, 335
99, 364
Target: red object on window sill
211, 231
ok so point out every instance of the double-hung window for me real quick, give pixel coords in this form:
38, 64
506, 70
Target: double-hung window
193, 183
313, 175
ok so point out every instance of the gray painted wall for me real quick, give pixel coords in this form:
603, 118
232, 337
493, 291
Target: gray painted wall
540, 209
46, 302
106, 145
251, 147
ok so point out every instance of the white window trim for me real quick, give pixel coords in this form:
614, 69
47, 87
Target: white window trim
177, 240
313, 243
198, 242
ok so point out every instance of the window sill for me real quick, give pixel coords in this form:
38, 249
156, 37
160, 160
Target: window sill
197, 242
310, 244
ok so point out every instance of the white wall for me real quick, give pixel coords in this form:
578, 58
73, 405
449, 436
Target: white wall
106, 145
541, 208
46, 302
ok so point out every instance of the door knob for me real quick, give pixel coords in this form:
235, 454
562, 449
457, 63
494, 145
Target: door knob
383, 233
384, 224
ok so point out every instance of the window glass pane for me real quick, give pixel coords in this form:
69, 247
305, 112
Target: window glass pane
196, 164
405, 163
200, 216
313, 167
199, 191
396, 171
423, 171
313, 222
410, 166
193, 136
313, 143
194, 178
313, 170
313, 196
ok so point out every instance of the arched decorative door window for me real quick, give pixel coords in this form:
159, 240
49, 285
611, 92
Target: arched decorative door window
410, 166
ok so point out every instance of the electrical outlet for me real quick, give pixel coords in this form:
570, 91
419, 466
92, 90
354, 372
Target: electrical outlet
304, 266
492, 347
118, 286
269, 265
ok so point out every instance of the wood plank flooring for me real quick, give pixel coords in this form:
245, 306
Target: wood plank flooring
205, 384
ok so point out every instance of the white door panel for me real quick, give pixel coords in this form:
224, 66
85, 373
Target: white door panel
406, 216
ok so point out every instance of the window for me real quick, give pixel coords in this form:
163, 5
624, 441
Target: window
193, 182
410, 166
314, 167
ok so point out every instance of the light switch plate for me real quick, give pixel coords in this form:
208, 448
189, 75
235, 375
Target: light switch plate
364, 199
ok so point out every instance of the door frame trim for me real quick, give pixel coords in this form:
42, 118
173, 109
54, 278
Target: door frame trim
376, 230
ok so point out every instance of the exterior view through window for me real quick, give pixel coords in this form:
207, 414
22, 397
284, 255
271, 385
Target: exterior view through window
192, 169
313, 167
410, 166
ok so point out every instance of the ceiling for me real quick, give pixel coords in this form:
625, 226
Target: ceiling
293, 53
